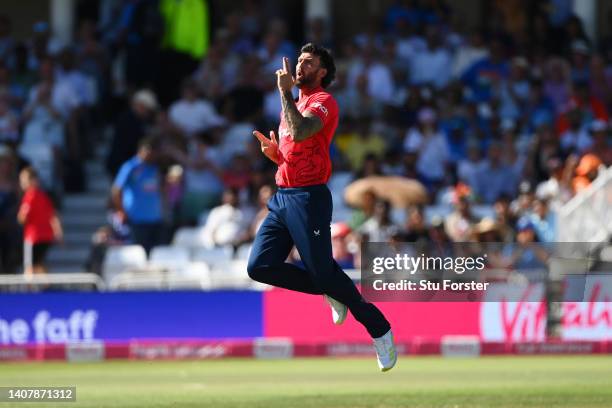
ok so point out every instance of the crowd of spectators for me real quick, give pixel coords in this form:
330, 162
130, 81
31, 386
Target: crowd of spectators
514, 115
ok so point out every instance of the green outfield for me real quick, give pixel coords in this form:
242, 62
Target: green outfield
547, 382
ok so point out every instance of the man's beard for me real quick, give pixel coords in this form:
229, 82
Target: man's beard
306, 81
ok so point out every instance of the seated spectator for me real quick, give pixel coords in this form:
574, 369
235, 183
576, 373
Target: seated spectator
600, 142
191, 114
554, 189
460, 223
504, 219
576, 138
543, 221
137, 196
431, 146
494, 177
528, 258
363, 143
365, 212
44, 124
340, 250
469, 53
379, 227
41, 226
203, 183
379, 78
432, 65
468, 168
416, 229
227, 223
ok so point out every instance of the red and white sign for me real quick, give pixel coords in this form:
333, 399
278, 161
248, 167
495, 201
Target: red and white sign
590, 320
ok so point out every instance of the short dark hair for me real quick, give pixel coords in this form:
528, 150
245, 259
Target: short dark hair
327, 61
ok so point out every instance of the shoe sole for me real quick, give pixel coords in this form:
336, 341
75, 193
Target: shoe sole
385, 369
342, 316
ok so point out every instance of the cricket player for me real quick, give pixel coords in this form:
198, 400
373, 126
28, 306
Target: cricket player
301, 210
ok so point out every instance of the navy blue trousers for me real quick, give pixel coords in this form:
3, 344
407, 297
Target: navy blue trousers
302, 216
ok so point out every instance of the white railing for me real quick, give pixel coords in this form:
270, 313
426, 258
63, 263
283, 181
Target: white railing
587, 217
23, 283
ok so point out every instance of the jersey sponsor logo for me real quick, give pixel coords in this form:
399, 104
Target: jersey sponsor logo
319, 106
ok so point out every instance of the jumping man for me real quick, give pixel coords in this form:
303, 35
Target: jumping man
301, 210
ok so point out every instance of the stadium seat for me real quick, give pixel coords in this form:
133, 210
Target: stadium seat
212, 256
232, 274
196, 275
169, 257
244, 251
186, 237
118, 259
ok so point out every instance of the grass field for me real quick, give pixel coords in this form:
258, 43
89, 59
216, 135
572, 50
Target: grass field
547, 382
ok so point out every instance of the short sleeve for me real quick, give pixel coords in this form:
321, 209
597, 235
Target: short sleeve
324, 106
123, 175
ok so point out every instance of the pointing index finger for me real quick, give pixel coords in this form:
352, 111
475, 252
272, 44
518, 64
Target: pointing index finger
286, 65
260, 136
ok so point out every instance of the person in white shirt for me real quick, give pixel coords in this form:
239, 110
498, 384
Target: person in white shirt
63, 97
227, 223
191, 114
431, 146
433, 64
379, 78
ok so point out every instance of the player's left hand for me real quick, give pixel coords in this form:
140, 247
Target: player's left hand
284, 79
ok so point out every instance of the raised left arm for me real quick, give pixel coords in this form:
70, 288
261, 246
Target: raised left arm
300, 126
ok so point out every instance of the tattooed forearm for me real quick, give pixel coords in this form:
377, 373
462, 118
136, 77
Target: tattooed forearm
301, 127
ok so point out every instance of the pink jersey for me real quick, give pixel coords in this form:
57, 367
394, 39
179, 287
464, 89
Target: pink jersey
308, 163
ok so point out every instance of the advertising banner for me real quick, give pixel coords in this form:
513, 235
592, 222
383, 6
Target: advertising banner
120, 316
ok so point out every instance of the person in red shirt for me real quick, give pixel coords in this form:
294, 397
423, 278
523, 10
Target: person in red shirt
300, 211
41, 226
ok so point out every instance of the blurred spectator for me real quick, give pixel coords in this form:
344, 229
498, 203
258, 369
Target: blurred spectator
378, 75
9, 232
44, 123
227, 223
363, 143
543, 221
61, 95
379, 227
192, 114
469, 168
340, 245
361, 215
203, 177
459, 224
416, 229
432, 65
431, 146
586, 171
41, 226
494, 177
600, 145
504, 219
469, 53
484, 74
9, 132
130, 128
553, 189
137, 196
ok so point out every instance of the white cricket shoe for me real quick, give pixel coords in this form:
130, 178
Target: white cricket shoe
386, 353
339, 310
